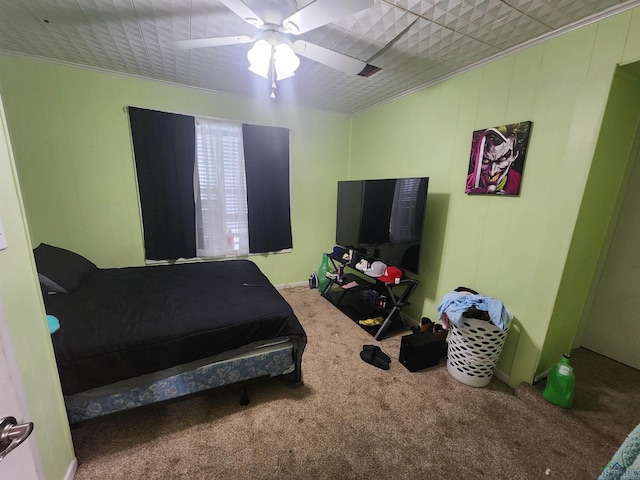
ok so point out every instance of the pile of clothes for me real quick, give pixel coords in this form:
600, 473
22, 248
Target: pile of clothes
465, 302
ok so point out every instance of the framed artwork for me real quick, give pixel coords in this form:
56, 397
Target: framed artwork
497, 159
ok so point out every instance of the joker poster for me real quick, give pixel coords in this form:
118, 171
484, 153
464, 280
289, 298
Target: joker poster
497, 159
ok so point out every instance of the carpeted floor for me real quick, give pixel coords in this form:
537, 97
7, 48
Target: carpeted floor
352, 420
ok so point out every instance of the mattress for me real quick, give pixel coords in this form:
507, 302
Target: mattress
127, 322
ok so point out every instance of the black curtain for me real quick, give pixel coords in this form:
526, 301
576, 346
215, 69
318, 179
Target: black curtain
164, 148
266, 156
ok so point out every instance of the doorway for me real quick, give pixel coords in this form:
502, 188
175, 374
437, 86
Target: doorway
611, 326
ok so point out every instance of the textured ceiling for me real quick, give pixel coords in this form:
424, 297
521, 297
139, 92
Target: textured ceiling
414, 42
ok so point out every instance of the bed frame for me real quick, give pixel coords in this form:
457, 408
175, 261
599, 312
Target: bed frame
270, 359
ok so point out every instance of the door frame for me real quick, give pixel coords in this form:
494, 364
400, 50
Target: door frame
633, 160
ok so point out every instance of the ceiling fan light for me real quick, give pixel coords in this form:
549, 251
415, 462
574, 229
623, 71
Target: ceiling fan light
259, 57
286, 61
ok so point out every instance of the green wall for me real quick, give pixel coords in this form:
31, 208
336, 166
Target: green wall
72, 146
25, 315
514, 249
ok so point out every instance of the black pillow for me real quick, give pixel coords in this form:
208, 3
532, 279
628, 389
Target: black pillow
60, 270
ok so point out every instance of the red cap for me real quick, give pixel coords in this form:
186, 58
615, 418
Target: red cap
390, 275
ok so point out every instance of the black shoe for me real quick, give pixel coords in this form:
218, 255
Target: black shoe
441, 334
377, 352
426, 325
370, 357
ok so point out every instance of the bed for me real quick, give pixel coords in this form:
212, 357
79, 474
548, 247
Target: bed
137, 335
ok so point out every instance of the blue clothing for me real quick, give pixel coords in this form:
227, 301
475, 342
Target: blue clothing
454, 304
625, 463
53, 323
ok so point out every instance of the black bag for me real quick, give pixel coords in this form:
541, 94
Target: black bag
419, 350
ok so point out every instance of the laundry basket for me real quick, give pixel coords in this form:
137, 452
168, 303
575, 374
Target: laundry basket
474, 350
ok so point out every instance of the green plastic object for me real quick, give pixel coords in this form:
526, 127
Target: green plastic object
323, 281
560, 383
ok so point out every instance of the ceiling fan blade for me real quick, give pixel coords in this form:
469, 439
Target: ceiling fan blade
243, 11
330, 58
393, 41
209, 42
322, 12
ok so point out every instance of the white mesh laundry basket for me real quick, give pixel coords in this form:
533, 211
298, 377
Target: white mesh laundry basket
474, 351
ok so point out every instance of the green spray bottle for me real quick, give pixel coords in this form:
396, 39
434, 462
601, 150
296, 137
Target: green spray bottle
560, 383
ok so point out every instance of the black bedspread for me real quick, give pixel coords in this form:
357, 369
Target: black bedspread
121, 323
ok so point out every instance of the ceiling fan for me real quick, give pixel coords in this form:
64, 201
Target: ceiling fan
273, 55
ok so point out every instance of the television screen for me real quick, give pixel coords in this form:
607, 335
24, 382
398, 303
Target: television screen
383, 219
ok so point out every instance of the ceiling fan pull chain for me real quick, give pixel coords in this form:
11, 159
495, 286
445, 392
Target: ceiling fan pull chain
272, 69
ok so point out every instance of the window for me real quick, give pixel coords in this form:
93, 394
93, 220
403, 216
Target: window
210, 187
220, 189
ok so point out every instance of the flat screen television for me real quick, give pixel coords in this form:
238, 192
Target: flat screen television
383, 219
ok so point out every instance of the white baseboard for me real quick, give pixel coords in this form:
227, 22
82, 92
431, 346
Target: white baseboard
282, 286
542, 376
71, 471
410, 321
500, 375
